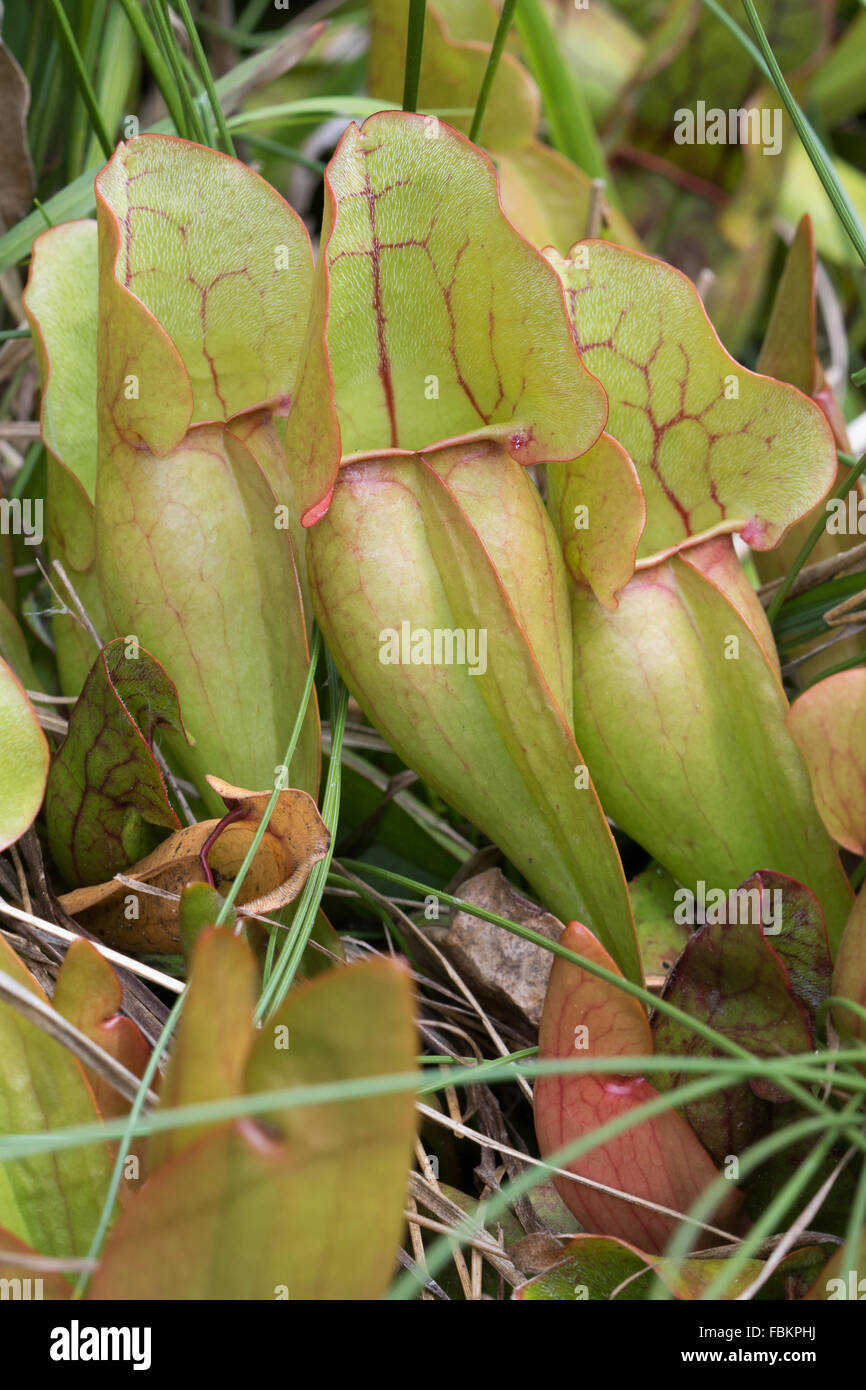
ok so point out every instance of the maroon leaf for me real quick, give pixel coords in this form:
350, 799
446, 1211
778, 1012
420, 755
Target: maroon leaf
105, 787
658, 1159
730, 977
801, 941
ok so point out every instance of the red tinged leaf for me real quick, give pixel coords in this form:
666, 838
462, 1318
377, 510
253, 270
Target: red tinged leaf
51, 1200
598, 508
105, 787
717, 560
730, 977
60, 303
306, 1204
718, 449
34, 1283
838, 1280
204, 283
89, 994
214, 1034
688, 746
849, 976
423, 284
24, 758
800, 940
470, 550
828, 725
659, 1160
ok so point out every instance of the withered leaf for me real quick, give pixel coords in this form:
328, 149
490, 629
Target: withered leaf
296, 838
16, 173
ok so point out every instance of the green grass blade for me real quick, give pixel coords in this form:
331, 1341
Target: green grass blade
765, 59
846, 665
773, 1216
414, 51
67, 38
283, 151
757, 1154
357, 106
499, 39
493, 1071
823, 166
280, 782
126, 1139
115, 81
571, 128
856, 1223
89, 37
206, 77
153, 57
193, 128
289, 959
252, 15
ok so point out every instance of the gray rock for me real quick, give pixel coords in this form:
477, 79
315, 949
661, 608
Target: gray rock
509, 975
